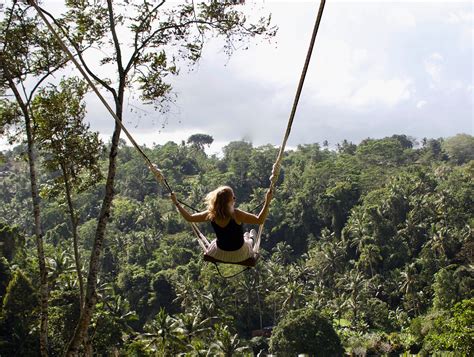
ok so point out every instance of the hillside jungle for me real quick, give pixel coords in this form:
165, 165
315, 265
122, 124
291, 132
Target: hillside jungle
368, 249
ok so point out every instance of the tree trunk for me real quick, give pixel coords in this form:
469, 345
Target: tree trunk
74, 223
94, 264
88, 350
44, 291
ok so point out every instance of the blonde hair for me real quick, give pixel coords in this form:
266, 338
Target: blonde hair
218, 203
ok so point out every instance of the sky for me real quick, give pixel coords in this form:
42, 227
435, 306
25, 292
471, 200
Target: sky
378, 68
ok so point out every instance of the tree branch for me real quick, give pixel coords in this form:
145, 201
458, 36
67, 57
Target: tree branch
134, 55
118, 50
81, 58
42, 79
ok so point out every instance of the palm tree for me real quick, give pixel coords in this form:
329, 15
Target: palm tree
369, 256
186, 292
354, 285
281, 253
191, 325
58, 265
198, 348
161, 334
409, 280
438, 240
227, 344
293, 295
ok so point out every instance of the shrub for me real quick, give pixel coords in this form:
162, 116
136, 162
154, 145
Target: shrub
305, 331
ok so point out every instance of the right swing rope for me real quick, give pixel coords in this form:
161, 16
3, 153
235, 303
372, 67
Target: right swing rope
277, 165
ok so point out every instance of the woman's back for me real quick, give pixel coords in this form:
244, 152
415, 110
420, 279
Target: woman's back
230, 236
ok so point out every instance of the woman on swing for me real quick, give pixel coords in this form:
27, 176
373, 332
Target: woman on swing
231, 244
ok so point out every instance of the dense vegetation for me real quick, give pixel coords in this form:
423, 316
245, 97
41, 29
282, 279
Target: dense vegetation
368, 247
372, 241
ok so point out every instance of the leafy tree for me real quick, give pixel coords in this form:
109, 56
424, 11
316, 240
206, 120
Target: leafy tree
451, 285
456, 332
226, 343
337, 201
112, 319
17, 317
200, 140
237, 165
387, 151
432, 150
305, 331
69, 147
28, 52
5, 275
405, 141
346, 147
460, 148
11, 242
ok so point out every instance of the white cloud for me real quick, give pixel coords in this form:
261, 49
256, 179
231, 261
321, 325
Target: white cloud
401, 18
457, 17
433, 66
421, 104
360, 56
385, 92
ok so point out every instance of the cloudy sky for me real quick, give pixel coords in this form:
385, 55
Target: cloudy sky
379, 68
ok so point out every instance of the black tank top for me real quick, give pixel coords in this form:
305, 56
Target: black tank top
230, 237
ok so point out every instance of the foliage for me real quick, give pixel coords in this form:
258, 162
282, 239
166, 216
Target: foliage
379, 243
305, 331
63, 135
200, 140
455, 333
18, 315
11, 242
460, 148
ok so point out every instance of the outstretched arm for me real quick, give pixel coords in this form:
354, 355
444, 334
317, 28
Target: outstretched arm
195, 217
250, 218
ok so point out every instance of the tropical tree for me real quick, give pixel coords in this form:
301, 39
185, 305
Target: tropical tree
354, 286
28, 52
454, 332
192, 326
200, 140
460, 148
226, 343
305, 331
161, 334
409, 280
18, 313
69, 147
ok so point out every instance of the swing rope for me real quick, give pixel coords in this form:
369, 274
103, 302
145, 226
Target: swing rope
202, 240
277, 165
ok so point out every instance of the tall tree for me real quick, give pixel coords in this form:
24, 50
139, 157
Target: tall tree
69, 147
199, 141
28, 52
160, 37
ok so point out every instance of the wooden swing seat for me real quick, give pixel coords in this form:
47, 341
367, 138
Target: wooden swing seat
249, 262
